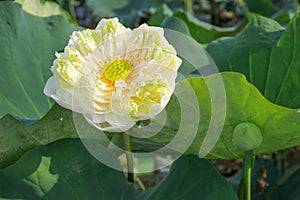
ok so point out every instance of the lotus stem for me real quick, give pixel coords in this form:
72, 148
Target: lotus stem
129, 158
188, 6
248, 162
72, 9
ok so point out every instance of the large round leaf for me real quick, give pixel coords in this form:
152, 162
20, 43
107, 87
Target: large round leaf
279, 126
268, 55
28, 41
17, 138
65, 170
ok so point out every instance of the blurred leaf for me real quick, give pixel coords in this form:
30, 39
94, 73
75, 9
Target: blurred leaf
204, 32
127, 10
263, 7
266, 179
66, 170
43, 8
268, 55
288, 187
65, 4
30, 42
286, 12
106, 8
264, 171
176, 24
159, 15
172, 4
131, 12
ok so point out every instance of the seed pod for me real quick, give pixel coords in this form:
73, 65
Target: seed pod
247, 136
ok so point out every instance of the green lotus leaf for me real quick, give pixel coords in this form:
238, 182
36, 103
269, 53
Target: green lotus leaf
17, 138
263, 7
268, 55
29, 39
279, 126
66, 170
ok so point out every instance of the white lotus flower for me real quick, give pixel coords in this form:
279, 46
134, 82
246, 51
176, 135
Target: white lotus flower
113, 75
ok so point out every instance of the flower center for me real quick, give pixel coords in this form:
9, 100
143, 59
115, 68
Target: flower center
116, 70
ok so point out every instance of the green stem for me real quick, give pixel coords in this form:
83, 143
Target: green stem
72, 9
188, 6
248, 160
200, 2
140, 183
129, 158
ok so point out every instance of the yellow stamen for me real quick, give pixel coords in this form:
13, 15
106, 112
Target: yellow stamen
116, 70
